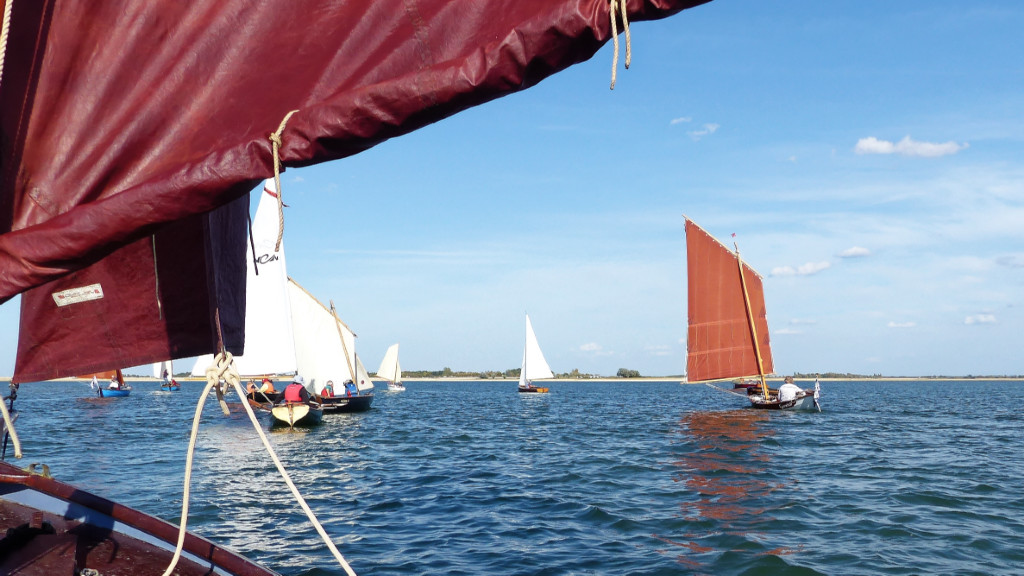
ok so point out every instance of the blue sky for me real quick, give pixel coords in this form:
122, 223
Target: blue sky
868, 156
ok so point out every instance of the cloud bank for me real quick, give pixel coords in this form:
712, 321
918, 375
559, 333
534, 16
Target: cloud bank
980, 319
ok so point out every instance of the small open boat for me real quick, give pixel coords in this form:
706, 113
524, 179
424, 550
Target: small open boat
116, 389
297, 414
727, 336
535, 367
52, 528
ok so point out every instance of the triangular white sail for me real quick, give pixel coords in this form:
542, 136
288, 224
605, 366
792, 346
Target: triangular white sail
390, 369
268, 326
364, 383
535, 367
163, 370
324, 346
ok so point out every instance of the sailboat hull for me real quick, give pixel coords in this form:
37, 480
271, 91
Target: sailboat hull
535, 389
805, 402
56, 528
297, 414
108, 393
338, 404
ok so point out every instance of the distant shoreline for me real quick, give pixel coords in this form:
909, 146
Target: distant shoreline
679, 379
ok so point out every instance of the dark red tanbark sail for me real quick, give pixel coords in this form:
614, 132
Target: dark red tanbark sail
121, 117
719, 342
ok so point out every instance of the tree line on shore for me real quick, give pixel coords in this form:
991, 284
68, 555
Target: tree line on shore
512, 373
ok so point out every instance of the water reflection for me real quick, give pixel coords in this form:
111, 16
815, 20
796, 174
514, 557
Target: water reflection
725, 464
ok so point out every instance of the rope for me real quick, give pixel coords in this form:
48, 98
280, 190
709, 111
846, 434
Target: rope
4, 34
615, 36
223, 367
275, 142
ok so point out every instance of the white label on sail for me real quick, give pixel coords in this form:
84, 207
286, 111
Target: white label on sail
76, 295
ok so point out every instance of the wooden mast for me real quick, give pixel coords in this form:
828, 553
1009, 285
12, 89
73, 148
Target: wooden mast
344, 348
750, 322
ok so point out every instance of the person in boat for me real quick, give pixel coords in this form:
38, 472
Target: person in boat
114, 384
328, 391
350, 389
268, 386
296, 391
788, 391
250, 387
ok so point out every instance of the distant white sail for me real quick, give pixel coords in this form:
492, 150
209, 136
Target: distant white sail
535, 367
163, 370
390, 369
324, 347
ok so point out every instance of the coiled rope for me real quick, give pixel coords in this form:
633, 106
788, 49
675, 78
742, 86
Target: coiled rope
223, 368
621, 4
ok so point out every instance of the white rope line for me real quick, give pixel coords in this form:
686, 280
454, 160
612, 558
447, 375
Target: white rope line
615, 36
4, 34
223, 367
275, 144
10, 429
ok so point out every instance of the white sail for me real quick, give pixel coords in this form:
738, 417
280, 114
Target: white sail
324, 346
390, 369
535, 367
268, 326
163, 370
364, 383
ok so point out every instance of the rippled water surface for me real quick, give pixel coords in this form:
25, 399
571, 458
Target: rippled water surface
594, 478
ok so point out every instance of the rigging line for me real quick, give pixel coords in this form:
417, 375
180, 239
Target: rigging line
615, 36
275, 141
156, 280
9, 423
4, 35
223, 367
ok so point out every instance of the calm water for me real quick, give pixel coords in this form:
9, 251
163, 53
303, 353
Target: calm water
594, 478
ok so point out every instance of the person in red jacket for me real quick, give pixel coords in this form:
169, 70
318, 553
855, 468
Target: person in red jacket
296, 391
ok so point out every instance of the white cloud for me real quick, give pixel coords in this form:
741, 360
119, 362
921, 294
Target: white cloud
901, 324
980, 319
802, 270
907, 147
680, 120
708, 130
796, 321
854, 252
788, 331
591, 347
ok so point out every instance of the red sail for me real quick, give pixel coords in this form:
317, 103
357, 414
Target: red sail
719, 342
119, 118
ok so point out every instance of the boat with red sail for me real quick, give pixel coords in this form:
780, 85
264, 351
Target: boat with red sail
727, 336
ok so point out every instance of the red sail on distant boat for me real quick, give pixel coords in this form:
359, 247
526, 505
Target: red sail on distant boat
719, 340
132, 132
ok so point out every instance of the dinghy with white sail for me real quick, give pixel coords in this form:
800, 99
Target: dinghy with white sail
391, 370
535, 367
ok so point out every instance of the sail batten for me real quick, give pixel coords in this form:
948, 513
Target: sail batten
719, 340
